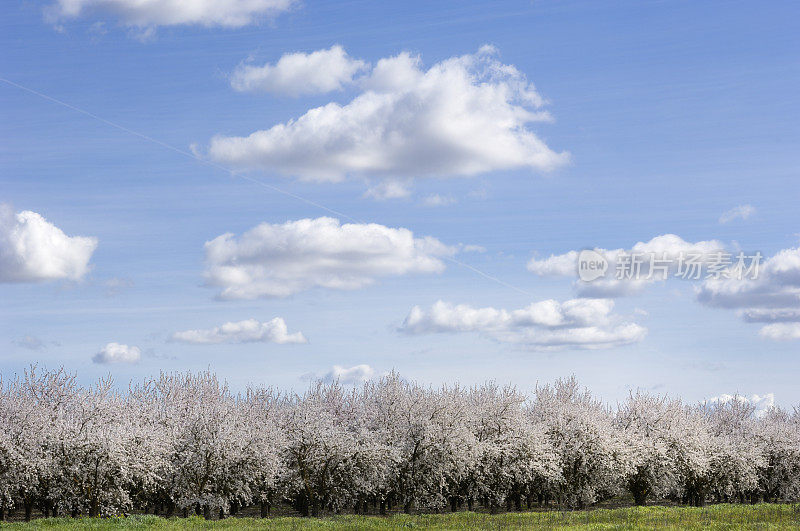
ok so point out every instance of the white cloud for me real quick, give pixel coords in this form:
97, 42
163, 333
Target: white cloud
152, 13
561, 265
772, 297
665, 249
248, 331
544, 325
435, 200
463, 116
761, 403
117, 353
350, 376
277, 260
32, 249
767, 293
777, 286
770, 294
740, 212
297, 74
781, 331
388, 189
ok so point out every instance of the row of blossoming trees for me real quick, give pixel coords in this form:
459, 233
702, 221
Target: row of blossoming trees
184, 443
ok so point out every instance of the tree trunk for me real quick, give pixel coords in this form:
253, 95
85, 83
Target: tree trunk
207, 512
265, 506
301, 505
28, 510
94, 510
383, 507
639, 495
453, 504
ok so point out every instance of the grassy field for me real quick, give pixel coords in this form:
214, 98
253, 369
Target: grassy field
764, 516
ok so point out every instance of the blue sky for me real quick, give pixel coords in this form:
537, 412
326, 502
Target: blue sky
672, 114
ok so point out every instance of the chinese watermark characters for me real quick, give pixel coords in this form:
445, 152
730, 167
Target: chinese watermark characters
686, 265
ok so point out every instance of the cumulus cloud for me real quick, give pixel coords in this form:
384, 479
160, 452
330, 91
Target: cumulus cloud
760, 403
463, 116
277, 260
248, 331
388, 189
740, 212
543, 325
557, 264
297, 74
762, 290
33, 249
773, 296
350, 376
777, 286
661, 251
117, 353
153, 13
781, 331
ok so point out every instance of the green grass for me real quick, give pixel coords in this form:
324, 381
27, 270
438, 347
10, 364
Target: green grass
763, 516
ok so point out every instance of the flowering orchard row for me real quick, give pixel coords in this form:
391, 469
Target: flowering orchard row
184, 442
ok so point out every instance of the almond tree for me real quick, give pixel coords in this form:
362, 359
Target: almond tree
779, 436
318, 451
592, 455
31, 407
691, 444
184, 442
738, 454
201, 420
262, 418
644, 421
515, 458
94, 453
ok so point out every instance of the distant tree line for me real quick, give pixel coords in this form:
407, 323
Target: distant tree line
183, 443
